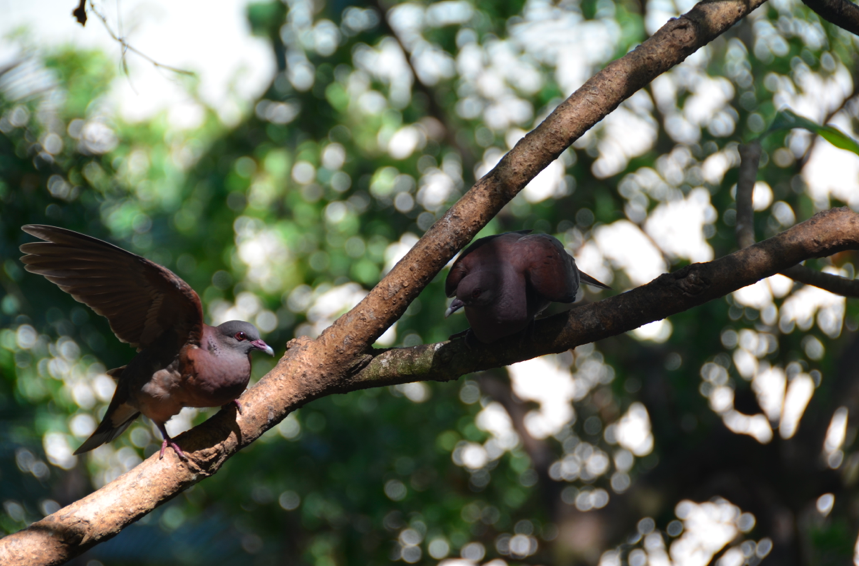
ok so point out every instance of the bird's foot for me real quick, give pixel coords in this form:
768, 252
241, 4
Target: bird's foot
234, 402
169, 442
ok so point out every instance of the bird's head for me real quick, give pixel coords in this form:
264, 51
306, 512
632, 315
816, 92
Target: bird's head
243, 336
475, 290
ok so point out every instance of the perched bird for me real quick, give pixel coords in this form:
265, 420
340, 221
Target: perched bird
181, 361
505, 281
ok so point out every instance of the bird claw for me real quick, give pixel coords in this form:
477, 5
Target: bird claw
169, 442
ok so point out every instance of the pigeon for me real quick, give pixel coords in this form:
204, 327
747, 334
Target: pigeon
503, 282
181, 361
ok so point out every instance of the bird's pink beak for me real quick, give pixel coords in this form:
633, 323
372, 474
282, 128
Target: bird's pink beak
455, 305
260, 345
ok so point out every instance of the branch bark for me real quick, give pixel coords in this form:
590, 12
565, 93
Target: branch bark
295, 382
336, 361
841, 13
824, 234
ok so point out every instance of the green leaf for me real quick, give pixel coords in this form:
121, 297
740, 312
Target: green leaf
787, 120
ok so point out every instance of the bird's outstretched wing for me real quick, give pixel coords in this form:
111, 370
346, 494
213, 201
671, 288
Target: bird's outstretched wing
139, 298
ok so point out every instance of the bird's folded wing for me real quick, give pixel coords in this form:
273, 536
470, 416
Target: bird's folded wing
140, 299
488, 253
548, 267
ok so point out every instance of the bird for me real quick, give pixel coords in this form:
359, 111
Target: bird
505, 281
181, 361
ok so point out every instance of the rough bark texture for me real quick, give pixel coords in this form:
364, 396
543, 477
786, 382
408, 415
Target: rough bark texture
340, 360
824, 234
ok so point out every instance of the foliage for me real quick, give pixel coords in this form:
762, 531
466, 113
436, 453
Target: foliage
352, 153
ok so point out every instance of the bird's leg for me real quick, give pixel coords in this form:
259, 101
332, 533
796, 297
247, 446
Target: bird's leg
169, 442
234, 402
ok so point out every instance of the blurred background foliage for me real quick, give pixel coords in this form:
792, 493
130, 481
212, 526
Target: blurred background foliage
725, 435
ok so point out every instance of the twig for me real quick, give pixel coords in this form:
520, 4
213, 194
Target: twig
127, 47
750, 157
827, 281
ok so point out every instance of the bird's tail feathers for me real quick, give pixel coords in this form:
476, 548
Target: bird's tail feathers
585, 278
116, 373
105, 432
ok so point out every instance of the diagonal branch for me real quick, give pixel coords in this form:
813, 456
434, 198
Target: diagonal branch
842, 13
599, 96
297, 380
750, 156
333, 363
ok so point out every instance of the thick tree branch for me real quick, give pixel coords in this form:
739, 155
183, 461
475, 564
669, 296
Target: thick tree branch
824, 234
842, 13
76, 526
750, 156
600, 95
333, 362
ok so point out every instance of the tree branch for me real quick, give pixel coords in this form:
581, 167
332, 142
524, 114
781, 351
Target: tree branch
841, 13
750, 156
600, 95
824, 234
295, 381
333, 362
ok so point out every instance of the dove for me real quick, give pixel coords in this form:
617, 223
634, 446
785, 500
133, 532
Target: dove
503, 282
181, 361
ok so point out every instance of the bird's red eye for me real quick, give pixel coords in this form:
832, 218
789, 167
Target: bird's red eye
241, 336
476, 293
